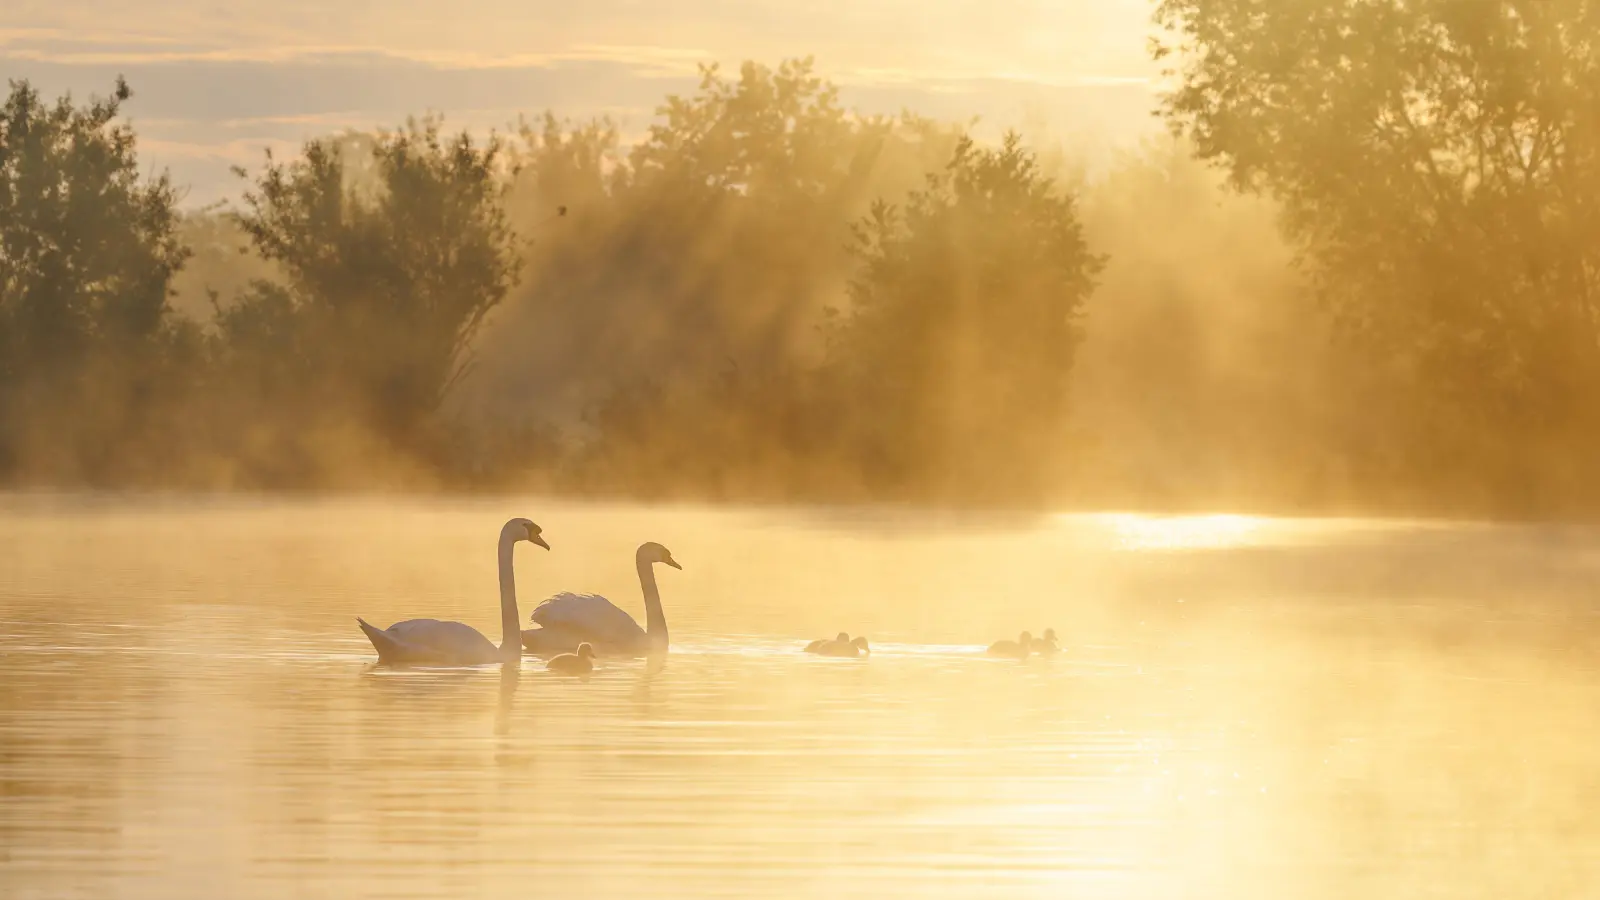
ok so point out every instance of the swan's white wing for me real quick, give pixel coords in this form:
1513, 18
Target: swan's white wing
591, 615
448, 638
431, 641
438, 634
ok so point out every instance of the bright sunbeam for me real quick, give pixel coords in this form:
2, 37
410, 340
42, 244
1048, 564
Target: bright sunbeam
1093, 464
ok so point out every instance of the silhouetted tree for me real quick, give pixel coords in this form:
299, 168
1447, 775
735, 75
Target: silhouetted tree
953, 359
693, 271
673, 335
386, 278
1438, 165
87, 253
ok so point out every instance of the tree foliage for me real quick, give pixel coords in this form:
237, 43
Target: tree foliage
670, 318
770, 296
1437, 162
963, 323
386, 280
87, 252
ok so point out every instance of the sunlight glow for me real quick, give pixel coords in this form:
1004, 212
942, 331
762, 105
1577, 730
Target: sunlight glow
1143, 532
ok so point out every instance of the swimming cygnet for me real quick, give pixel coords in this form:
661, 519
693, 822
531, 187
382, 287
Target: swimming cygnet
842, 645
1046, 645
579, 663
817, 645
1017, 649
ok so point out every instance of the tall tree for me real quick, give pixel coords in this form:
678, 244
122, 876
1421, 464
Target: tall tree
955, 353
387, 276
676, 305
88, 249
1438, 165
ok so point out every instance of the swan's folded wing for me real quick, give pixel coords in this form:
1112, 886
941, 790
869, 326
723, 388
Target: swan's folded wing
417, 630
430, 641
592, 615
456, 640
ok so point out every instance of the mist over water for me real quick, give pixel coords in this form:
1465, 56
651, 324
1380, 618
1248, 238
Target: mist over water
1243, 708
852, 356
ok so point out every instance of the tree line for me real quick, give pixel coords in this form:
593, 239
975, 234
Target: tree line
1361, 274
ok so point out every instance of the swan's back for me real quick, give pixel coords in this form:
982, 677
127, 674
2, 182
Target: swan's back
430, 641
439, 633
590, 614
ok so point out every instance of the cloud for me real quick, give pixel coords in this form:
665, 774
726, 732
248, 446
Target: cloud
199, 110
52, 47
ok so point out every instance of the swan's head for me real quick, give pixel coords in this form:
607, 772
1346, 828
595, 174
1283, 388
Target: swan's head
585, 651
524, 530
655, 553
1050, 635
860, 643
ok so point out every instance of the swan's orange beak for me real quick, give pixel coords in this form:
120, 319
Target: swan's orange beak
538, 539
673, 563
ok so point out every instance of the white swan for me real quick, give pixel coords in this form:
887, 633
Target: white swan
430, 642
568, 619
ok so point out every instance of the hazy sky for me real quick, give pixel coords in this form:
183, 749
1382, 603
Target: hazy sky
216, 82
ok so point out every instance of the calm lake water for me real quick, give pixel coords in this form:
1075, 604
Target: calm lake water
1244, 708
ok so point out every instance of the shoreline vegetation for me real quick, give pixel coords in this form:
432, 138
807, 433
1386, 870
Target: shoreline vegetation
1362, 282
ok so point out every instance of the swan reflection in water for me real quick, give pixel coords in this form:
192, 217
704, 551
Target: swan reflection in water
510, 676
511, 679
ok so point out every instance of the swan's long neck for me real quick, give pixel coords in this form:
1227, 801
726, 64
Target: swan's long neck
655, 618
510, 630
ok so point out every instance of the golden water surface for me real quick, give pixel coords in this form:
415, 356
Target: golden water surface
1244, 708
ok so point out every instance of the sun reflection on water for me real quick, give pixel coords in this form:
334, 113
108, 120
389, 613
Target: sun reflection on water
1218, 531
